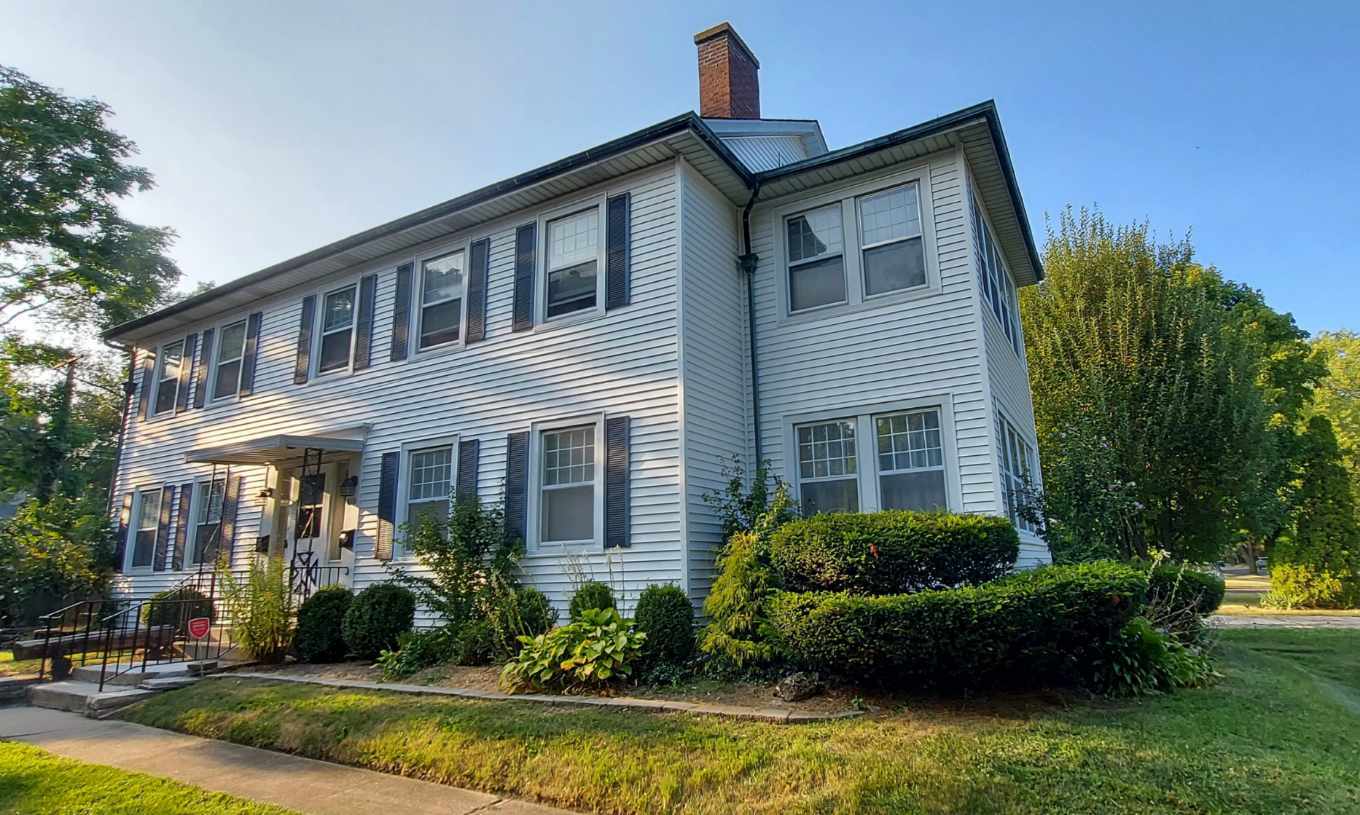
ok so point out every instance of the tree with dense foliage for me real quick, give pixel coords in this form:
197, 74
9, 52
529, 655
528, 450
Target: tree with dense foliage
1150, 419
1338, 396
52, 554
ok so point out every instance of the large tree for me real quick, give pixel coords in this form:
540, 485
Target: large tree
1152, 423
1338, 396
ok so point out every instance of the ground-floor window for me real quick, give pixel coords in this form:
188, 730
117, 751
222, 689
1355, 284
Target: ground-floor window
148, 521
208, 521
1016, 457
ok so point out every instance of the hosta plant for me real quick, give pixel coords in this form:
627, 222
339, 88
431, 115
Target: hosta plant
599, 649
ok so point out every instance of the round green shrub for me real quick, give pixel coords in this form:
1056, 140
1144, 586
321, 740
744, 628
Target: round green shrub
665, 615
1183, 585
164, 608
592, 594
536, 614
1038, 628
378, 616
893, 552
318, 637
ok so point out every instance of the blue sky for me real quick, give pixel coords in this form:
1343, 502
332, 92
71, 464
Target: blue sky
275, 127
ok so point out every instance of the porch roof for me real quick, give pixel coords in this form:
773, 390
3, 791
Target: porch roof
279, 448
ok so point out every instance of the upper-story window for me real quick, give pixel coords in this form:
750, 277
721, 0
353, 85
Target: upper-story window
994, 278
816, 248
441, 299
148, 522
573, 259
230, 352
337, 330
864, 243
167, 378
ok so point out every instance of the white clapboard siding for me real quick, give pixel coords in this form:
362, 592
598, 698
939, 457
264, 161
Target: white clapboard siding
625, 362
760, 153
885, 354
716, 375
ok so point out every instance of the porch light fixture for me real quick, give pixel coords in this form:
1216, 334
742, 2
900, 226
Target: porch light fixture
348, 486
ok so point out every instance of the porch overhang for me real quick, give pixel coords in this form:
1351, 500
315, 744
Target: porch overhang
280, 448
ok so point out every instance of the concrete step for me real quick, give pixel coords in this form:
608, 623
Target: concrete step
83, 697
168, 682
135, 674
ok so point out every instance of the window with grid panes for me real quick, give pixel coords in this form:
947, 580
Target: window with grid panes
816, 245
911, 471
892, 251
828, 472
567, 485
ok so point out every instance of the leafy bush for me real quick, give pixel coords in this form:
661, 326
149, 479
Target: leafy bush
164, 607
1041, 627
1180, 584
536, 614
893, 552
513, 613
741, 509
417, 650
258, 608
52, 555
592, 594
665, 615
1298, 586
599, 649
738, 633
1141, 659
378, 616
319, 637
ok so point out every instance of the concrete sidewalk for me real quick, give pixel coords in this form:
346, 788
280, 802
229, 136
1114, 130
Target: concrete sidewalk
301, 784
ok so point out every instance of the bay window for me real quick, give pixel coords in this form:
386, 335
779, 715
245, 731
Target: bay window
994, 278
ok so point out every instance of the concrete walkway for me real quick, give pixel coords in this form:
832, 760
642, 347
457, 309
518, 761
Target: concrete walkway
301, 784
1284, 621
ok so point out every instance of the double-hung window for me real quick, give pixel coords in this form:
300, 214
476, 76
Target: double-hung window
994, 279
816, 253
828, 473
1015, 455
431, 482
911, 461
167, 379
572, 272
148, 522
208, 521
892, 247
441, 299
567, 485
231, 350
337, 330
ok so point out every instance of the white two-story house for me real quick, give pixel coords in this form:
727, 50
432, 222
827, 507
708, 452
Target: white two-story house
589, 344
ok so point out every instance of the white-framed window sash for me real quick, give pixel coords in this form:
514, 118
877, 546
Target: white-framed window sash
571, 257
170, 363
141, 542
594, 424
228, 360
426, 489
335, 331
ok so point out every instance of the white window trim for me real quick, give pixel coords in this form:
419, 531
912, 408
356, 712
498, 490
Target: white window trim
134, 526
159, 375
463, 245
319, 332
201, 486
859, 461
1011, 291
541, 319
944, 457
867, 445
852, 250
533, 543
399, 551
864, 247
210, 382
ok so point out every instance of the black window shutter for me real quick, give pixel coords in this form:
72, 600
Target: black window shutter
616, 482
251, 353
120, 546
516, 484
201, 374
304, 343
401, 313
186, 371
148, 371
163, 529
363, 334
526, 244
182, 538
478, 270
230, 496
468, 453
387, 505
616, 251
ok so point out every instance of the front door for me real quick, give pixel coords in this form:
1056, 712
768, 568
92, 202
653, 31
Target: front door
306, 549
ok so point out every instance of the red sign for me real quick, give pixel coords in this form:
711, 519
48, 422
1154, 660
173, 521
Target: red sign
199, 627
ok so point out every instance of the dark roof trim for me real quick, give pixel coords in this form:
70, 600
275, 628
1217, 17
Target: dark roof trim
985, 110
685, 121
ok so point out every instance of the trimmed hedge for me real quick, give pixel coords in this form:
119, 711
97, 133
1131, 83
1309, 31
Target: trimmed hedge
318, 637
1186, 586
894, 552
665, 615
378, 616
1043, 627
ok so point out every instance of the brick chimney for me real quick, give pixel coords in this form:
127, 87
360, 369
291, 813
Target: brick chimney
728, 85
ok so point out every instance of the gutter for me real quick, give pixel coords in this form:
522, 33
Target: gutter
748, 263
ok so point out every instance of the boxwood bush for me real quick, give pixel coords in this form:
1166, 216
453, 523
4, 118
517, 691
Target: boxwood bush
318, 637
1181, 585
665, 615
1036, 628
892, 552
591, 594
378, 616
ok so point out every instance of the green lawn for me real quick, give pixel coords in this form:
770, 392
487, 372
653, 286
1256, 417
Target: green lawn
1280, 733
36, 782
